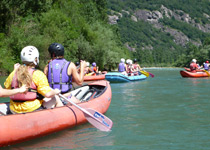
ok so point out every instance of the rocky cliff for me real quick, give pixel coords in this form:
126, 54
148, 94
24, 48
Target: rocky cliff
154, 17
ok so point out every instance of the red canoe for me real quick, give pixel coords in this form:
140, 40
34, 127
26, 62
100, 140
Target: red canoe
94, 77
193, 75
22, 127
188, 69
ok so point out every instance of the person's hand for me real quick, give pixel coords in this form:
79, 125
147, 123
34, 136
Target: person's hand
83, 63
57, 91
23, 89
16, 66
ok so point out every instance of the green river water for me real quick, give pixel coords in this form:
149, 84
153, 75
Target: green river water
166, 112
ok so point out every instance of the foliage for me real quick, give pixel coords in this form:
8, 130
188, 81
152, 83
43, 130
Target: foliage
79, 25
152, 46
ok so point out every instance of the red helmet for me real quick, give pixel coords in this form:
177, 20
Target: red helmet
207, 61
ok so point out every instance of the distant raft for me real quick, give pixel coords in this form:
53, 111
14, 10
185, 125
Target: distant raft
194, 75
119, 77
94, 77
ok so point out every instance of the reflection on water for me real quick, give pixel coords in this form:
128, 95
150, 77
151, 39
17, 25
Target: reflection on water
82, 137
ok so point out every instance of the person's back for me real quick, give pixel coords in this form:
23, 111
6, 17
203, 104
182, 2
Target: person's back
193, 66
62, 73
206, 65
136, 66
58, 76
122, 66
34, 79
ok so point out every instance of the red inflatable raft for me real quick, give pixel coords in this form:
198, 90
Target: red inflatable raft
16, 128
193, 75
188, 69
94, 77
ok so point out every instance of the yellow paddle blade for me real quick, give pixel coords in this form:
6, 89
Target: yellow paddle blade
145, 73
89, 74
207, 72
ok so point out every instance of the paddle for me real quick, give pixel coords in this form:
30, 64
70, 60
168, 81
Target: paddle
145, 73
95, 118
152, 75
207, 72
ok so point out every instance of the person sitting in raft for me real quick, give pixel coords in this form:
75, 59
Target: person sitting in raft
193, 66
61, 72
136, 67
36, 80
130, 69
122, 68
127, 64
206, 65
77, 64
88, 71
94, 68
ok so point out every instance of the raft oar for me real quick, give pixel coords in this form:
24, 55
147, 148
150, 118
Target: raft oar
207, 72
152, 75
95, 118
145, 73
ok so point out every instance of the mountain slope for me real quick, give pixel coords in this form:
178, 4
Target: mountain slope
159, 29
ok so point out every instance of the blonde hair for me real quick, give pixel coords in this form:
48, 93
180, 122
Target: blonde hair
23, 75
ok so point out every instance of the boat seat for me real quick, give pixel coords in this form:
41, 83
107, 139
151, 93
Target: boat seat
87, 96
92, 93
79, 93
4, 109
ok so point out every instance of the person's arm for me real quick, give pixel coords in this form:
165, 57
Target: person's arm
52, 93
46, 69
78, 77
126, 69
139, 67
8, 92
97, 69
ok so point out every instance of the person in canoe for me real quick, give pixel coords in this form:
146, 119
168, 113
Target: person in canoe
77, 64
88, 71
61, 72
130, 69
36, 80
94, 68
136, 67
206, 65
122, 68
193, 66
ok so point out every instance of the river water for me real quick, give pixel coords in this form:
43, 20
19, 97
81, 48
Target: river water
160, 113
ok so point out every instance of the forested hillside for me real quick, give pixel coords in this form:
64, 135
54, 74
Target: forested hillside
162, 32
80, 25
157, 32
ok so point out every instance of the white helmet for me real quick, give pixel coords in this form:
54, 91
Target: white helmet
130, 62
194, 60
122, 60
29, 54
87, 64
127, 61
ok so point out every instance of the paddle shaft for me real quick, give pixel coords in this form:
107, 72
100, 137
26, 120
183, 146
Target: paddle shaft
74, 104
207, 72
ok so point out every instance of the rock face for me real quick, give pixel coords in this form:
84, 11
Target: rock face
154, 17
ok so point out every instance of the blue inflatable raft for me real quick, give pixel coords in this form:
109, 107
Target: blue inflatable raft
118, 77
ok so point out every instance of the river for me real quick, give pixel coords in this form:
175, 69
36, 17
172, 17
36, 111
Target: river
160, 113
